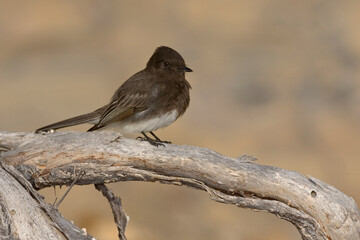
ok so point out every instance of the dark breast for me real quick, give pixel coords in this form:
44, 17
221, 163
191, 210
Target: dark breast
177, 96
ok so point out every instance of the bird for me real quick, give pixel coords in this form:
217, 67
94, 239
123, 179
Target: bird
152, 98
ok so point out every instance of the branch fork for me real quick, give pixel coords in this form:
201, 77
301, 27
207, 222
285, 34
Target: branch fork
316, 209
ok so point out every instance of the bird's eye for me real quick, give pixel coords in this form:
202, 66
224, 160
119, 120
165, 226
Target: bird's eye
166, 64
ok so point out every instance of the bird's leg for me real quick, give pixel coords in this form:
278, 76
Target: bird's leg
150, 140
158, 139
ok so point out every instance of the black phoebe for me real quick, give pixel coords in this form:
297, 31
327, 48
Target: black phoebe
151, 99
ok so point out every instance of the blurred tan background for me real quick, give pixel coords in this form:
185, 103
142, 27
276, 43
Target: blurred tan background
277, 79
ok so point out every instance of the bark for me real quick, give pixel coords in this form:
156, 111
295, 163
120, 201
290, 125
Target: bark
25, 215
318, 210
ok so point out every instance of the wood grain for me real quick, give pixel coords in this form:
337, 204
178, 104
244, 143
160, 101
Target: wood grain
318, 210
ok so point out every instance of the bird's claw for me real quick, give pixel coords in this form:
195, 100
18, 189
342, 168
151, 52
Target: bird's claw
153, 142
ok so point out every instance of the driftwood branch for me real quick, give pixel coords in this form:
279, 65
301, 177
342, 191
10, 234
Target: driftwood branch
25, 215
318, 211
120, 216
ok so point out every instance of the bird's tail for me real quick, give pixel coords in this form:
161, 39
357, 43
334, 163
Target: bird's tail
85, 118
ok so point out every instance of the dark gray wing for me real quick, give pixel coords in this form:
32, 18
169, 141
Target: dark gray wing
132, 97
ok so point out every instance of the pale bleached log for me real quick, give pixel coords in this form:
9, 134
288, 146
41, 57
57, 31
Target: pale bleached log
318, 210
21, 217
25, 215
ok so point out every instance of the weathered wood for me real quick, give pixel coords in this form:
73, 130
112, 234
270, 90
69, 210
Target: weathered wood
25, 215
120, 217
20, 216
319, 211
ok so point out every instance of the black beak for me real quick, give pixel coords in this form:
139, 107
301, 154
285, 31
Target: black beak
186, 69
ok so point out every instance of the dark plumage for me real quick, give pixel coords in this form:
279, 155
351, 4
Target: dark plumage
151, 99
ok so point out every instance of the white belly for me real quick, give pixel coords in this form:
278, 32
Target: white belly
148, 125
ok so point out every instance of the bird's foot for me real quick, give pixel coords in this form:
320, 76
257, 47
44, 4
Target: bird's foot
158, 139
153, 142
166, 142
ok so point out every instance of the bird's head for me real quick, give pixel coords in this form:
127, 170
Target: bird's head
167, 61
